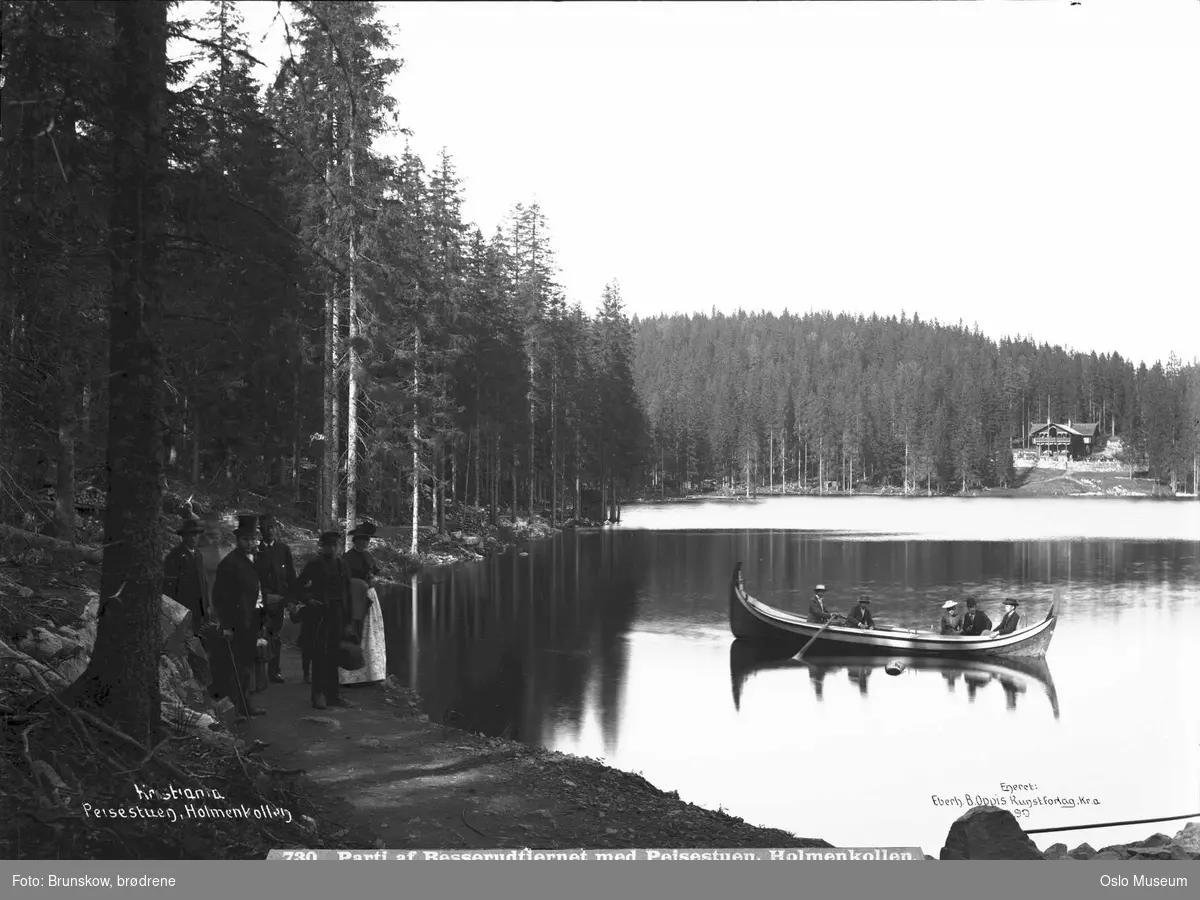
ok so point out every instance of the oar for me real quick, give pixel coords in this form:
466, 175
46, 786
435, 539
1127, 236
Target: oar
809, 643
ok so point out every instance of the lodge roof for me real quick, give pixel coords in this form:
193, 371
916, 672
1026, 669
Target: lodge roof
1083, 429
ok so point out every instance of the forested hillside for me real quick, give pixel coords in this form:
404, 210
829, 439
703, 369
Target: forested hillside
314, 315
838, 400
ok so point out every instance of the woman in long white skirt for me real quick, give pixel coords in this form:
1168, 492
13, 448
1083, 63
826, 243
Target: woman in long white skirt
370, 634
365, 614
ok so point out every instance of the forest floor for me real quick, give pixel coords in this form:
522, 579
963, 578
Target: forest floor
385, 769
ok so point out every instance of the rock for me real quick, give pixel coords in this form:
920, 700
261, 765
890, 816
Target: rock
175, 620
83, 632
1172, 851
987, 832
328, 721
41, 644
1189, 837
1083, 851
198, 661
44, 770
1107, 854
1155, 840
25, 592
472, 540
1056, 851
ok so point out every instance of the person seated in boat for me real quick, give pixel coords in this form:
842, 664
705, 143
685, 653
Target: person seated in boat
975, 622
1011, 618
951, 623
816, 607
860, 616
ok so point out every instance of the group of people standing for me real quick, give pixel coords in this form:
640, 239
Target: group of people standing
238, 600
974, 622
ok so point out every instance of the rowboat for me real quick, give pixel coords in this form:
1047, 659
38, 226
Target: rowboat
1016, 675
752, 620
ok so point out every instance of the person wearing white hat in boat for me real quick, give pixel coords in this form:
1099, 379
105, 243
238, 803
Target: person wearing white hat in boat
816, 607
951, 623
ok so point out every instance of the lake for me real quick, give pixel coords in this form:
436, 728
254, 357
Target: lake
614, 644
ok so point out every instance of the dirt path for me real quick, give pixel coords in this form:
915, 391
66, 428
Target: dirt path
388, 774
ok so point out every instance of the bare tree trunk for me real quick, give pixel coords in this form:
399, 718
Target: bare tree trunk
352, 373
195, 443
64, 488
296, 433
554, 453
122, 676
514, 487
532, 436
416, 458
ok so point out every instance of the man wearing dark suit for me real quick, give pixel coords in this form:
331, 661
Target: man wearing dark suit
860, 616
184, 578
237, 601
1010, 620
975, 622
324, 587
277, 573
816, 607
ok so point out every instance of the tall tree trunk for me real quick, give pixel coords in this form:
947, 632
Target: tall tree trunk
334, 437
64, 488
439, 506
352, 374
554, 456
532, 438
296, 433
416, 454
195, 443
515, 459
122, 676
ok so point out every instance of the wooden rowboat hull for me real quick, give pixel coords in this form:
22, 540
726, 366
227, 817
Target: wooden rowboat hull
752, 620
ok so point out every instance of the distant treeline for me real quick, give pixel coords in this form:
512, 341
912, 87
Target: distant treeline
841, 399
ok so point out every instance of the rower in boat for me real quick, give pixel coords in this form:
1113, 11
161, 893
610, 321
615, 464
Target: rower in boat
951, 623
860, 616
816, 607
975, 621
1010, 620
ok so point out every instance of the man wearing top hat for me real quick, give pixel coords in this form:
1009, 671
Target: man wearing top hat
324, 588
184, 578
951, 624
238, 601
816, 607
975, 622
1011, 618
860, 616
277, 574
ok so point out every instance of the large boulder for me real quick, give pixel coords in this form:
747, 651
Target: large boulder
1083, 851
175, 621
1189, 837
1056, 851
988, 832
197, 658
42, 645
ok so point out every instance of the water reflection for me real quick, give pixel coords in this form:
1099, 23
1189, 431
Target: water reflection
1014, 676
616, 644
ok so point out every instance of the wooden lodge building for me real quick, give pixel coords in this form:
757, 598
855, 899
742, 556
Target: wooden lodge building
1079, 439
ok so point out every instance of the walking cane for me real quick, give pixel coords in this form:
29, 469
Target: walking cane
237, 679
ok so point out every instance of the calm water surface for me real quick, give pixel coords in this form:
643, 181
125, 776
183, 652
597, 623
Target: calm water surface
615, 644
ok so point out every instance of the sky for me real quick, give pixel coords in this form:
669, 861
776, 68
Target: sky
1028, 167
